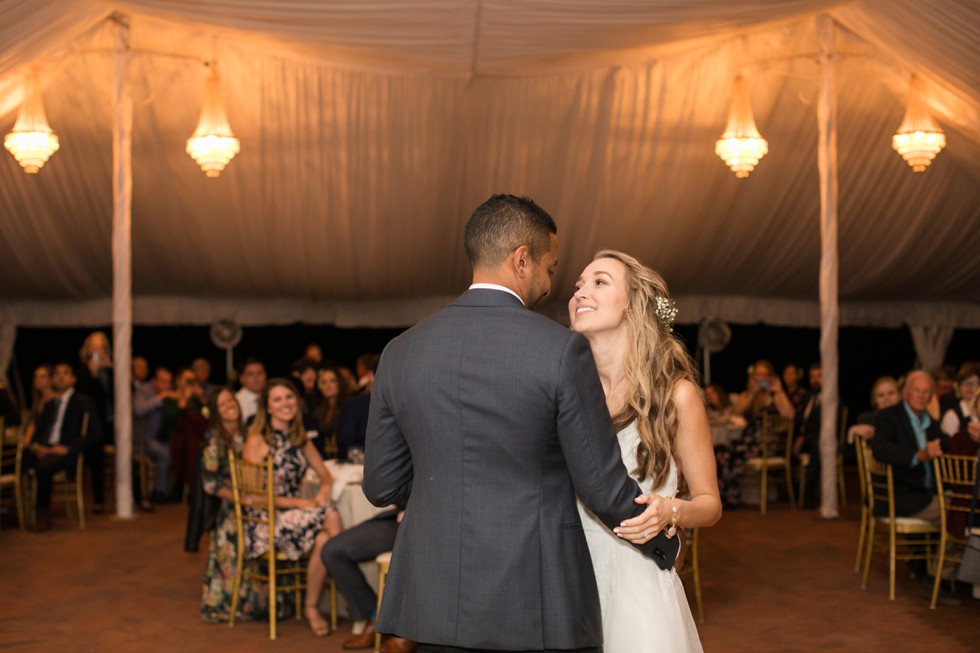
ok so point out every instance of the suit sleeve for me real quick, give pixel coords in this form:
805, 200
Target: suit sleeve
592, 453
388, 469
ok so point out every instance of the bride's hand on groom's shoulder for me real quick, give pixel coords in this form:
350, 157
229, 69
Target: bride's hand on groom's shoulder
646, 526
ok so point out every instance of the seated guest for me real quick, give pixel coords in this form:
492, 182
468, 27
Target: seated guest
185, 424
763, 395
252, 379
793, 386
226, 432
718, 403
908, 439
807, 427
95, 379
352, 427
202, 370
302, 525
8, 407
327, 413
314, 353
964, 443
148, 406
342, 555
956, 418
58, 438
41, 390
944, 393
303, 373
884, 394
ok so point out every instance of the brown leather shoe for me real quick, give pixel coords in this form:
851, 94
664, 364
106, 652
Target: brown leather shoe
363, 641
398, 645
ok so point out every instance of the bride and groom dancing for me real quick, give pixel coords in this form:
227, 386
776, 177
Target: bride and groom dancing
487, 421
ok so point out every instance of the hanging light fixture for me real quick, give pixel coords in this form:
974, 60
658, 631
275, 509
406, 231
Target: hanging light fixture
32, 140
741, 146
919, 139
213, 144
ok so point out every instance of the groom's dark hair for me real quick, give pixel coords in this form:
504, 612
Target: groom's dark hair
502, 224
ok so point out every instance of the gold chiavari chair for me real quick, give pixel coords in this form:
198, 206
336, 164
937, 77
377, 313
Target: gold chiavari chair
774, 461
282, 574
909, 538
11, 479
692, 565
804, 463
384, 561
955, 477
867, 503
70, 490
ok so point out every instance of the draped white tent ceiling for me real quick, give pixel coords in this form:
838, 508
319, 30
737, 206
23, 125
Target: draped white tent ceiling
371, 129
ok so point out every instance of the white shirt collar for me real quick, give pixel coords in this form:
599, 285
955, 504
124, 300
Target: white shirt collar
493, 286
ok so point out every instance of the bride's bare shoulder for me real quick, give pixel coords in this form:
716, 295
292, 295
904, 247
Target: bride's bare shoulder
686, 395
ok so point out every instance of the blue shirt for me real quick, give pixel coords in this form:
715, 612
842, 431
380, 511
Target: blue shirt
919, 426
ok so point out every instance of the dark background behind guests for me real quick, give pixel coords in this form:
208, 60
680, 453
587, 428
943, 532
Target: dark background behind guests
865, 353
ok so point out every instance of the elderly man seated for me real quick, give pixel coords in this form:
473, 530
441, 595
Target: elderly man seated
908, 439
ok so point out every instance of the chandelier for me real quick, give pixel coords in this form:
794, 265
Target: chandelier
213, 144
919, 139
32, 140
741, 146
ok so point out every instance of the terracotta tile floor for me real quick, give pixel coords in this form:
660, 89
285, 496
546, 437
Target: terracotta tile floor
783, 582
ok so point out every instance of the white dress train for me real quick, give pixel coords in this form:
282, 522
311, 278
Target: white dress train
644, 608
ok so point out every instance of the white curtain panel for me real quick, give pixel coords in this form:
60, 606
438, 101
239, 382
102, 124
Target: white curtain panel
370, 131
931, 342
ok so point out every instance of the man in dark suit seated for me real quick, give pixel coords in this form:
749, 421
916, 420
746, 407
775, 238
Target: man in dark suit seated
342, 556
352, 428
59, 438
807, 426
908, 439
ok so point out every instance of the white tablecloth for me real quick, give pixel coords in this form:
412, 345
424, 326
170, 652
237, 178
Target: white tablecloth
725, 432
347, 493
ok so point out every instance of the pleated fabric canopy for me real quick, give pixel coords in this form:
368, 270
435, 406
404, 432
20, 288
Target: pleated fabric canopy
370, 130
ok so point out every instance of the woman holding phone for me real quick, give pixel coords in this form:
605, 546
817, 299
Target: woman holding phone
763, 395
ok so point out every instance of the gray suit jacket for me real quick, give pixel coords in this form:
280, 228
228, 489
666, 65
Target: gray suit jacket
486, 419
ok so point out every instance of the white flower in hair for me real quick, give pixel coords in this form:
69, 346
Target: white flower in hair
666, 312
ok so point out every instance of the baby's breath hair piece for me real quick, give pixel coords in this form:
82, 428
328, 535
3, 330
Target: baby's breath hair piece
666, 312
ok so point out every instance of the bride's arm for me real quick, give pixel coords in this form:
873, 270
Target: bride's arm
697, 462
697, 459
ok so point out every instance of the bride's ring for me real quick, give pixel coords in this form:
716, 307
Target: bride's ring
646, 535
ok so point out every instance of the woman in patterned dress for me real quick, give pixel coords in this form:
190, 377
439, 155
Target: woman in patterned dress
226, 431
302, 525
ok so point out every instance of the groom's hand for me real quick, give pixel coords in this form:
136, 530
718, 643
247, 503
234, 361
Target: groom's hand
646, 526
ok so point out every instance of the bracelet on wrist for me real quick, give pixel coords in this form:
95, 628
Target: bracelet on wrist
672, 529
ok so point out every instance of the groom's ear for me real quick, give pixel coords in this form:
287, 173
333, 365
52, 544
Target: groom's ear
522, 259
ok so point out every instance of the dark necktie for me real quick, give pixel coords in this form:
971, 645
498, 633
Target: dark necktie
56, 404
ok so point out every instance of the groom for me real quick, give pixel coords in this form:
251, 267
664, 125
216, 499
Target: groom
486, 419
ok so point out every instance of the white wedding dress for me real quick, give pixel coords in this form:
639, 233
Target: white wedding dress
644, 608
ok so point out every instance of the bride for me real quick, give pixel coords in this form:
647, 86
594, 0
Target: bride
623, 308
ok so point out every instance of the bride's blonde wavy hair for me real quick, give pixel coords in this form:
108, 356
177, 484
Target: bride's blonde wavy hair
655, 362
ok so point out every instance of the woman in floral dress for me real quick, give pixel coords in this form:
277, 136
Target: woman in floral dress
225, 432
303, 526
